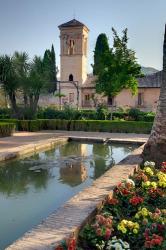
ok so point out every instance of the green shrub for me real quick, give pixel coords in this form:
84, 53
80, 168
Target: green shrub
98, 126
54, 124
34, 125
102, 112
135, 114
88, 115
6, 129
28, 125
5, 113
15, 121
115, 126
149, 117
112, 126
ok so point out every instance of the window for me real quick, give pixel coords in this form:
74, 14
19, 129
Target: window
110, 101
140, 99
71, 47
87, 97
70, 77
71, 97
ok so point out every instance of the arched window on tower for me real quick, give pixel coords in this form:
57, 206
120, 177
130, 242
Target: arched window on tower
71, 47
71, 78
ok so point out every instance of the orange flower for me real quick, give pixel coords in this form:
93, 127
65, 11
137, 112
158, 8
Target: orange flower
112, 201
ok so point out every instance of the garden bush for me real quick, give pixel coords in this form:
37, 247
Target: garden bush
15, 121
6, 129
112, 126
5, 113
28, 125
82, 125
101, 113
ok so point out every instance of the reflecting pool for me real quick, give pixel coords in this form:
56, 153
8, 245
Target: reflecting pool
33, 187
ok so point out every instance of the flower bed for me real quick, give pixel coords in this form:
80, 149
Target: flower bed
133, 218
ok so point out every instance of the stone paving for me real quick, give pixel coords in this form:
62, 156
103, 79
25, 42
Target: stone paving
68, 220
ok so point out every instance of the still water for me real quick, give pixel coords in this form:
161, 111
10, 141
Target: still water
33, 187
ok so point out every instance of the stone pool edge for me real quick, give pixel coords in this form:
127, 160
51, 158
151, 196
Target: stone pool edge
69, 219
31, 148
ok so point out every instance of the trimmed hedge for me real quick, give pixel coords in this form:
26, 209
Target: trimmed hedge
28, 125
84, 125
97, 126
112, 126
6, 129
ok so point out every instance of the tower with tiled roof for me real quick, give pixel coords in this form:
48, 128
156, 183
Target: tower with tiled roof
73, 51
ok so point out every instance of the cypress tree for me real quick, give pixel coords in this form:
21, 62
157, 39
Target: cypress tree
101, 48
49, 64
53, 68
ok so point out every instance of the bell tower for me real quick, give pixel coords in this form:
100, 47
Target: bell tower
73, 55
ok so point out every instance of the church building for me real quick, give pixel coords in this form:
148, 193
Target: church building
77, 88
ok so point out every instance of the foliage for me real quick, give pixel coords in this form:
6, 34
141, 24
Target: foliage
135, 114
9, 79
101, 48
119, 68
5, 113
50, 69
102, 112
6, 129
137, 212
82, 125
25, 80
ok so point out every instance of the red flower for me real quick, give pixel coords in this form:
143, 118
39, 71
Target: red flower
59, 248
71, 244
135, 200
107, 233
124, 191
154, 240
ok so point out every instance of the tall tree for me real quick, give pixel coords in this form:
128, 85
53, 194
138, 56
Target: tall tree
9, 80
21, 65
155, 148
101, 48
37, 82
119, 68
50, 69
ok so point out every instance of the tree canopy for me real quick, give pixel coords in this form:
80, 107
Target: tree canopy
118, 68
25, 80
101, 48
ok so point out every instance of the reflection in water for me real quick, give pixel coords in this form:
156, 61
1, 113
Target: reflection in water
72, 148
33, 187
73, 174
105, 161
16, 178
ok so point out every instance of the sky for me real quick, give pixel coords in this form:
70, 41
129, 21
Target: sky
32, 25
